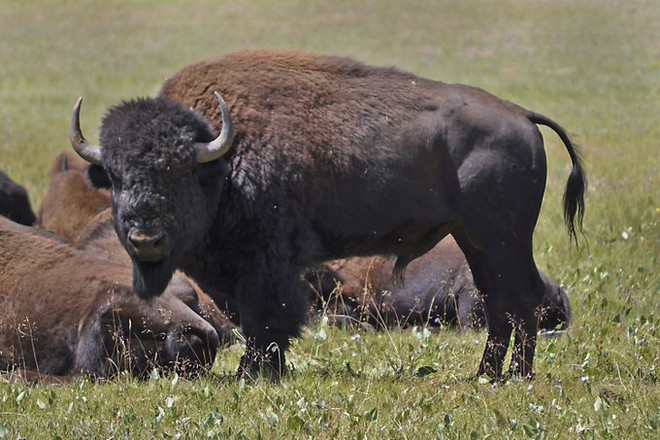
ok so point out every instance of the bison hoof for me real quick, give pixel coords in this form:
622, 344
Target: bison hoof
258, 365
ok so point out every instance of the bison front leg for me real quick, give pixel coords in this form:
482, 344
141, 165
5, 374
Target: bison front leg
273, 308
269, 362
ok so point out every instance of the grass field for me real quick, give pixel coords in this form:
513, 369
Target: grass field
594, 66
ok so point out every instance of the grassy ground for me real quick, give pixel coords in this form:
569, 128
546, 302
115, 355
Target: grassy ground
592, 65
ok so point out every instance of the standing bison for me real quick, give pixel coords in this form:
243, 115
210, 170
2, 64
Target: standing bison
322, 158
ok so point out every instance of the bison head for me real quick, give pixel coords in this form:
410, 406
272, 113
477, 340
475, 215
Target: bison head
162, 161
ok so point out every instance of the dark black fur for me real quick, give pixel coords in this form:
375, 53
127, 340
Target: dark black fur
14, 201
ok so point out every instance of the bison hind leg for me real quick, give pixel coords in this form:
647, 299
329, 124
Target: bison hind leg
512, 289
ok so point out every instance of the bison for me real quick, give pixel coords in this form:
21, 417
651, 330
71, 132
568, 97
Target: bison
71, 200
14, 201
319, 158
67, 313
438, 290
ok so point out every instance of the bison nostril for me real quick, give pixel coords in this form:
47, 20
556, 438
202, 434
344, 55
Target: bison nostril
149, 246
142, 239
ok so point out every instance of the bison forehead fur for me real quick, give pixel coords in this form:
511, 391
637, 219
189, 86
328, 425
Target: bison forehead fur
331, 158
164, 129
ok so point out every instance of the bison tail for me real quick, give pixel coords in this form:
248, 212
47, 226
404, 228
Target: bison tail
576, 185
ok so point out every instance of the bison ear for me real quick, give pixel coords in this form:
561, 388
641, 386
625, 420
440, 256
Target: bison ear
97, 177
88, 152
207, 152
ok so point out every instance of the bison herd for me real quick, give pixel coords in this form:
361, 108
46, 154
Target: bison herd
367, 194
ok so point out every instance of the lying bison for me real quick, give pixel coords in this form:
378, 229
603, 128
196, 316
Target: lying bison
67, 313
14, 201
322, 158
438, 290
71, 200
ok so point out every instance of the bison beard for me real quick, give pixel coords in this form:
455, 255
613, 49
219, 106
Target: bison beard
151, 278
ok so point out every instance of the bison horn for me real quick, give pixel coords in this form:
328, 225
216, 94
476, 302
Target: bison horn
207, 152
88, 152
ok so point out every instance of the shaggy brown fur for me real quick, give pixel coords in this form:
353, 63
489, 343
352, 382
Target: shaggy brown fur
71, 202
66, 313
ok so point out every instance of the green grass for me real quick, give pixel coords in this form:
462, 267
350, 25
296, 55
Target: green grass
594, 66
